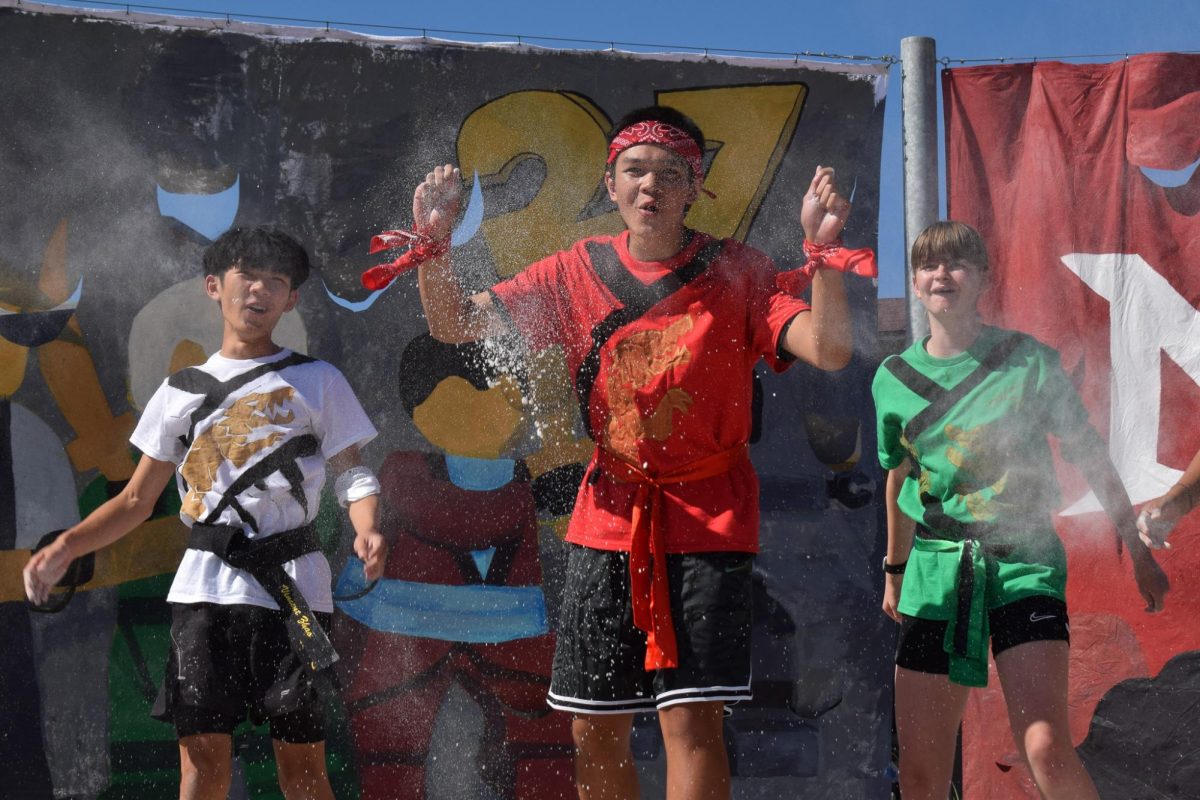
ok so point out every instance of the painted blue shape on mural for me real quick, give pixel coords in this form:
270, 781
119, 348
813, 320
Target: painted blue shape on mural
1170, 178
350, 305
474, 613
479, 474
472, 217
72, 302
483, 560
465, 232
35, 328
209, 215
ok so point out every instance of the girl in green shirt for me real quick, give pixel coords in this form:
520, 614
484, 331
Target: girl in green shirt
963, 417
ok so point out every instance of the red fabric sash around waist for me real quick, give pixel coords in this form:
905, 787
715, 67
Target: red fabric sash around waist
648, 545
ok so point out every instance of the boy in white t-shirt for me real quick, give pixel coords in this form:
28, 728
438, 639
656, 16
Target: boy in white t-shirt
247, 435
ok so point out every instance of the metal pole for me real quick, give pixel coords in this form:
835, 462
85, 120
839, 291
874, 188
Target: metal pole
918, 64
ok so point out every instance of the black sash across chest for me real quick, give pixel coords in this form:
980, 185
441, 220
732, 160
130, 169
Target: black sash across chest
282, 459
940, 401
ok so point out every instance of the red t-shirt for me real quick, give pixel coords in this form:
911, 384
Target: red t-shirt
674, 386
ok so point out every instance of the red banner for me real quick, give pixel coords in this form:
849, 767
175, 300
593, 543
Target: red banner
1083, 181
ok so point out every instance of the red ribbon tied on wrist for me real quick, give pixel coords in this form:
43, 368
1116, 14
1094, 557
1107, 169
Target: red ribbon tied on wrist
422, 247
831, 255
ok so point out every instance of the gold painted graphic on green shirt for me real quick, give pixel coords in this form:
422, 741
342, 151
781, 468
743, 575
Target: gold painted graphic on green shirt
974, 453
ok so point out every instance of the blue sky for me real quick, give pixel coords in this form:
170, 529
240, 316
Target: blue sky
1017, 29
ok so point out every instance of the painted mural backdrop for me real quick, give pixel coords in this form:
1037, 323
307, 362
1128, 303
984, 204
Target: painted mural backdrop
129, 143
1083, 181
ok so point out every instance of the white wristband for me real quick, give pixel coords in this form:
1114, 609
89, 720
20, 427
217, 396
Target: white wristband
354, 484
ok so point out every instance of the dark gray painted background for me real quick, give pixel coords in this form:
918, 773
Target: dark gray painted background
328, 138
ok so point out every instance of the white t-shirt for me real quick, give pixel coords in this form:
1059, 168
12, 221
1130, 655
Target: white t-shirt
306, 409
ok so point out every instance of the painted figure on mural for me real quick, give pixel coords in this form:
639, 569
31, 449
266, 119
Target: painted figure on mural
69, 757
963, 420
461, 601
73, 644
662, 327
248, 435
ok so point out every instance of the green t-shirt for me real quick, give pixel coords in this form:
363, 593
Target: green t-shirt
986, 463
983, 473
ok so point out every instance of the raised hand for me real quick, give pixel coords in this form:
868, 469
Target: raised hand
436, 202
824, 211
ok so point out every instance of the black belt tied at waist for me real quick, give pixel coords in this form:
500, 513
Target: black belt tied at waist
967, 633
264, 559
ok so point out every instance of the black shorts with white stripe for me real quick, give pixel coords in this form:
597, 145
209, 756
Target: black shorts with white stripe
599, 659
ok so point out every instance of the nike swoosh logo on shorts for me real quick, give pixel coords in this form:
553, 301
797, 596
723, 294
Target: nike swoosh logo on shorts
1036, 617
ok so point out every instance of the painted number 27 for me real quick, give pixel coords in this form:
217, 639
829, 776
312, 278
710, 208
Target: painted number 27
748, 129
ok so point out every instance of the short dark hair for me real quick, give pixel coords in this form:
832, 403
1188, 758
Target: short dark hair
672, 116
947, 240
260, 247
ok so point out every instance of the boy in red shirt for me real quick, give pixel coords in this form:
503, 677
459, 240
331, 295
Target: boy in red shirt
661, 327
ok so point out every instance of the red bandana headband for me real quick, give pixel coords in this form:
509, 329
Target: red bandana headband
668, 136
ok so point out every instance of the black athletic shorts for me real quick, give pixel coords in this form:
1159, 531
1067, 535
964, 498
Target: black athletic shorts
599, 660
1030, 619
230, 662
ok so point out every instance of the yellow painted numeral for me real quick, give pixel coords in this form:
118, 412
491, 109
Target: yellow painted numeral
751, 127
566, 133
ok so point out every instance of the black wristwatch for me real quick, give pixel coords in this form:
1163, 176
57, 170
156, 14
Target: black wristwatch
894, 569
